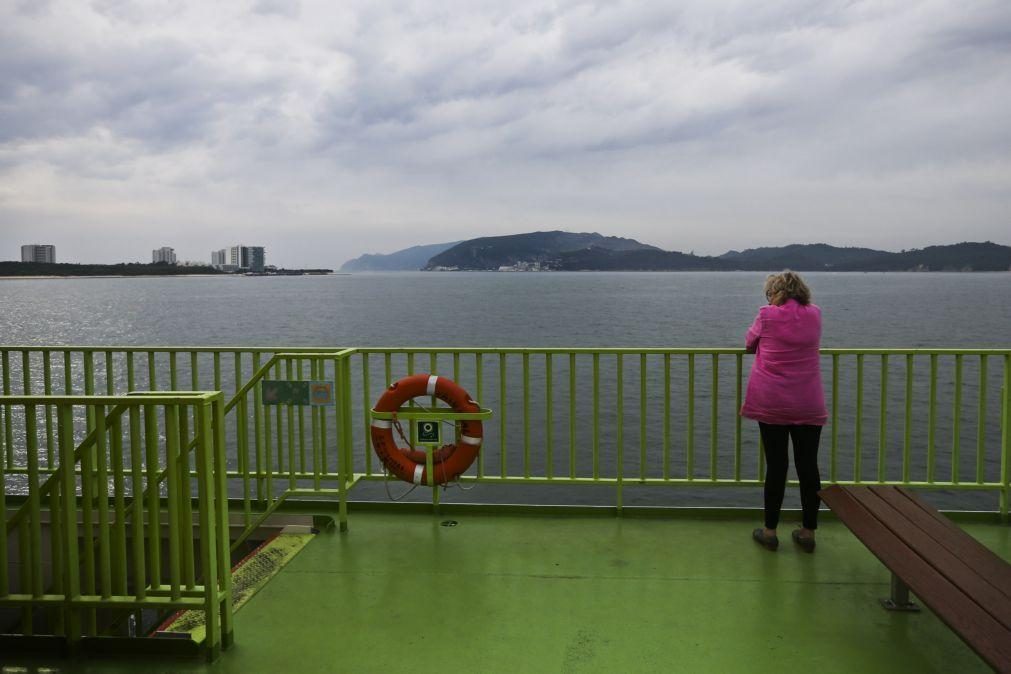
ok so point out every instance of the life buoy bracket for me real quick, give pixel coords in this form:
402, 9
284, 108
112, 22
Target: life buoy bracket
448, 461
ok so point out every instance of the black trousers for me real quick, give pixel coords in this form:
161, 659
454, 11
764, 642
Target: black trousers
805, 458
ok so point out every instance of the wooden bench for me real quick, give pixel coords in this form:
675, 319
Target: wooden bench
965, 584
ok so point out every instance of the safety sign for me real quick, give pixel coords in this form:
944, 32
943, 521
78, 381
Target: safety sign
427, 431
281, 392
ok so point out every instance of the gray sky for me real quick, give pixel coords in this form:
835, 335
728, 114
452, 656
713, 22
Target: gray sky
323, 130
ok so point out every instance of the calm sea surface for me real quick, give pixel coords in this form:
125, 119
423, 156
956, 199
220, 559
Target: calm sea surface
571, 309
497, 309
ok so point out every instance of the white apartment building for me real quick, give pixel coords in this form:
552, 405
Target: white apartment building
247, 257
37, 252
164, 254
219, 258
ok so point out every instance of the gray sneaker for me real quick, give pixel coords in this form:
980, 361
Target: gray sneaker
806, 543
767, 542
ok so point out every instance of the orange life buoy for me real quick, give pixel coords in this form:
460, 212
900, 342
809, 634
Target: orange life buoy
449, 461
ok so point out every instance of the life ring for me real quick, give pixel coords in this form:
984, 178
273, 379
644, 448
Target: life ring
449, 461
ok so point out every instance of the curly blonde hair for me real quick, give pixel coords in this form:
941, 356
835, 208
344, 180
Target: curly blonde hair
784, 286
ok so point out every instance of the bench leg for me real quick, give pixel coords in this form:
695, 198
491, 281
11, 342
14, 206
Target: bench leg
899, 601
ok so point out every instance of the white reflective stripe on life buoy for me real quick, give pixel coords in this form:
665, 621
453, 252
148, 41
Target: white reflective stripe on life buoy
381, 423
432, 381
418, 470
469, 440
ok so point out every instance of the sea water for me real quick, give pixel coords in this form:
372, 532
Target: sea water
683, 309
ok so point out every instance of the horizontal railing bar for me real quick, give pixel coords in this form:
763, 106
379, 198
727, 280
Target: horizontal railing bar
324, 352
177, 349
672, 350
696, 482
443, 413
141, 399
96, 601
564, 479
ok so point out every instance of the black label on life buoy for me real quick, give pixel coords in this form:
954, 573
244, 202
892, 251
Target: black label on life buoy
428, 432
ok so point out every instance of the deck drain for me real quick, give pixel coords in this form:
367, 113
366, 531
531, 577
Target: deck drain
449, 523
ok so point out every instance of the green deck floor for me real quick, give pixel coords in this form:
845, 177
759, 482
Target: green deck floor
516, 594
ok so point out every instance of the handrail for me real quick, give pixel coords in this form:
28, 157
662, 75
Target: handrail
240, 394
317, 350
101, 564
121, 404
686, 421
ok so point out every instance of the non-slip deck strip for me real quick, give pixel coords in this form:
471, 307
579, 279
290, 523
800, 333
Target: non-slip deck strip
248, 577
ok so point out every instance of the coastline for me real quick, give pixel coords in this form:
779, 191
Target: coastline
80, 276
54, 277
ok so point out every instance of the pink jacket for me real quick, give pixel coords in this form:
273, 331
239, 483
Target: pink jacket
785, 382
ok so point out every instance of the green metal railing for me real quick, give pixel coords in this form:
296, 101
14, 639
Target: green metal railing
113, 505
669, 416
163, 442
626, 418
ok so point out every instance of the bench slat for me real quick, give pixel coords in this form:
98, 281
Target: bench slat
987, 563
961, 575
980, 631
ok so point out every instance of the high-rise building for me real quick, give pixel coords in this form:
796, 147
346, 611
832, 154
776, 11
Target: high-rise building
219, 258
238, 256
247, 257
164, 254
37, 252
257, 259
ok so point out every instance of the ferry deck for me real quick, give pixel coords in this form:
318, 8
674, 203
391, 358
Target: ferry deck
379, 586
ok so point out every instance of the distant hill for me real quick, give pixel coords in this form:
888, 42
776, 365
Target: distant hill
798, 256
601, 259
568, 251
408, 259
536, 248
966, 256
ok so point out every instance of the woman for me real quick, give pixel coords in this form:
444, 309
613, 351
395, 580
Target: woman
785, 397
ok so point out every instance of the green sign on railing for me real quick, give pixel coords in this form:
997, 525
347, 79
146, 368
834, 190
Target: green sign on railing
282, 392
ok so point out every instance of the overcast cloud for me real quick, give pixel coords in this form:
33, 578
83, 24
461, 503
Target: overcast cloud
324, 130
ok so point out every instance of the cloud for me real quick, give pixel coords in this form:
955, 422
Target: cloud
325, 130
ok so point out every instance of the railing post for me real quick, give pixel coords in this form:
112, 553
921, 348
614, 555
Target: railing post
620, 414
596, 416
502, 416
858, 433
690, 431
956, 416
1005, 442
526, 414
549, 417
349, 456
71, 566
883, 418
242, 441
366, 405
220, 501
35, 506
8, 429
833, 462
137, 506
171, 419
208, 534
4, 582
153, 500
714, 404
258, 434
340, 435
